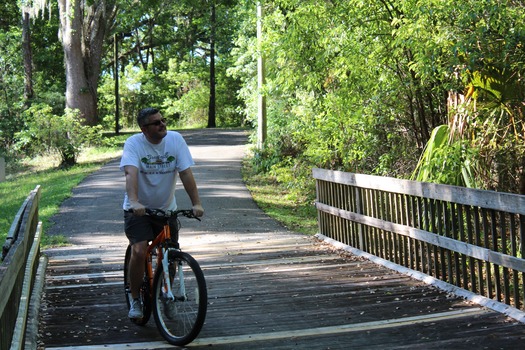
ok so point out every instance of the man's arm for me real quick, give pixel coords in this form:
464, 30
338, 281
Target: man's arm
190, 186
132, 188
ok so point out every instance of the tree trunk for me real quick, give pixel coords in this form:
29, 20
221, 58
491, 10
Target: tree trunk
28, 57
68, 157
82, 32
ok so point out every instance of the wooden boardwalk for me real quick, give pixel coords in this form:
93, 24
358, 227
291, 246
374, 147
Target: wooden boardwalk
269, 292
268, 288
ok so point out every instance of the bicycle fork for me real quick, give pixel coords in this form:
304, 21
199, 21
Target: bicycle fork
167, 277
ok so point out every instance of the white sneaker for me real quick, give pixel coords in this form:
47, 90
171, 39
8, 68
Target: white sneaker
170, 309
135, 309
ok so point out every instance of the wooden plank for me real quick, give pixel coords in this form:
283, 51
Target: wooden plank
507, 202
15, 226
13, 266
9, 274
307, 332
17, 342
514, 250
470, 250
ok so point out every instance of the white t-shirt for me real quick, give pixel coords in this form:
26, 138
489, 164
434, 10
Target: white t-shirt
158, 167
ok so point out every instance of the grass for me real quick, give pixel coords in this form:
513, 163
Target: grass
280, 203
55, 185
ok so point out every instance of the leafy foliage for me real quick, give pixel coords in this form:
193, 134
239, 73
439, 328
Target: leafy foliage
488, 120
447, 161
165, 62
12, 87
361, 86
46, 132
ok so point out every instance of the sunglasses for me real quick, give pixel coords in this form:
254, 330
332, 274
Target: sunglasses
156, 122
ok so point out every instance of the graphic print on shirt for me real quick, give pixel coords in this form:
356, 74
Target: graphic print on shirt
153, 163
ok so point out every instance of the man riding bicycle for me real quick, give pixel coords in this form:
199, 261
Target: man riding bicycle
151, 161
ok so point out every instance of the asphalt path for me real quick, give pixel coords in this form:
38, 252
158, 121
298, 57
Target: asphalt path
91, 215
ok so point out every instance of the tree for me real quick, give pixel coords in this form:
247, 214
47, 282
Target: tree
11, 76
83, 28
179, 52
27, 53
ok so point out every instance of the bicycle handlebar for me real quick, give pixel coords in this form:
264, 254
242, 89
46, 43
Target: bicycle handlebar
171, 213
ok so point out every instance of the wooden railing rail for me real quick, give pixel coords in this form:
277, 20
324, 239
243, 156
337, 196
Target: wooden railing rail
472, 239
17, 269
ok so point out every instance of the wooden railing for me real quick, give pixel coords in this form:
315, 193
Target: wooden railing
20, 261
471, 239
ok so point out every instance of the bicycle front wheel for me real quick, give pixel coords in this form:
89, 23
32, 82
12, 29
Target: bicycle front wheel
180, 316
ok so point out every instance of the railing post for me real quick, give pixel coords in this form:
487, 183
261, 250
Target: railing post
359, 211
317, 199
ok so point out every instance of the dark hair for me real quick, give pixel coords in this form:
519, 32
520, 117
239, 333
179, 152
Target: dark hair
144, 114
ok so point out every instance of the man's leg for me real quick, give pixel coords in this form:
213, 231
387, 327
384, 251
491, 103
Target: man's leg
136, 267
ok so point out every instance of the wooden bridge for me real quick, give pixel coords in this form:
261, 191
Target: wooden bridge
268, 288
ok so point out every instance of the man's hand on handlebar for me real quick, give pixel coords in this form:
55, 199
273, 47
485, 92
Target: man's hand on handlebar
137, 208
198, 211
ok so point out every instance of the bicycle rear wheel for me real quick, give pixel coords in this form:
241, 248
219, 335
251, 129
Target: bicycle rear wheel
180, 320
145, 294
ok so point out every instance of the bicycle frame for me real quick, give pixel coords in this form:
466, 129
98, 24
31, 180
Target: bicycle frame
162, 259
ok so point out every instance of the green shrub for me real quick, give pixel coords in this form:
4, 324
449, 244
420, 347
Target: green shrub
46, 132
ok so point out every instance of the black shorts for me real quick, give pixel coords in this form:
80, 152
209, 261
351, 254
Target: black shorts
141, 228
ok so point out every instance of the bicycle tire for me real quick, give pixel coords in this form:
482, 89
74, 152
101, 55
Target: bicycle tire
181, 320
145, 294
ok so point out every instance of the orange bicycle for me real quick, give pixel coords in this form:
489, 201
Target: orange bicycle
174, 288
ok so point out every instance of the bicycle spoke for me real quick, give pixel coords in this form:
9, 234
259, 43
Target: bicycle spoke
181, 319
